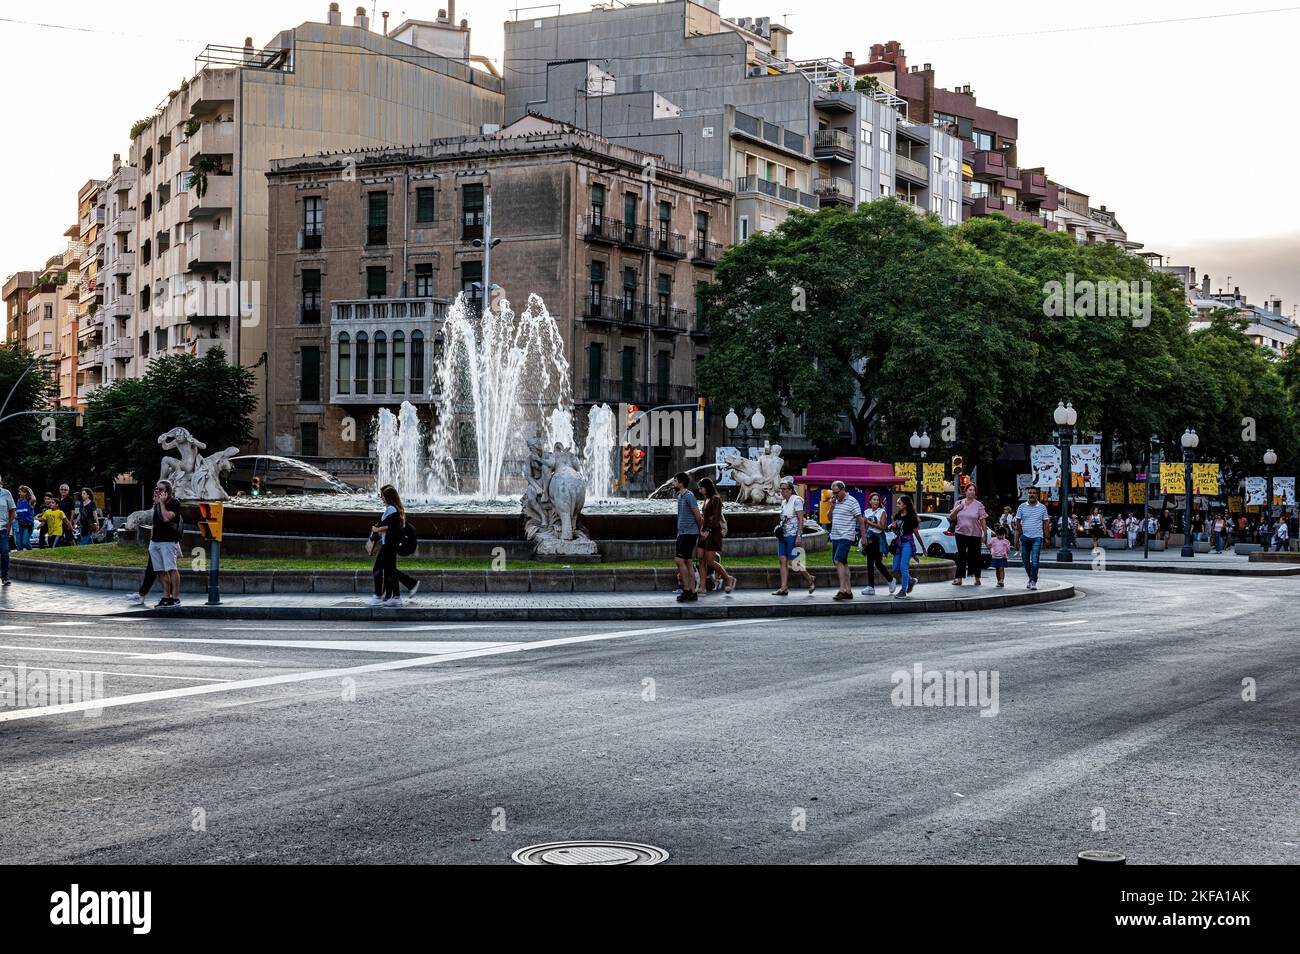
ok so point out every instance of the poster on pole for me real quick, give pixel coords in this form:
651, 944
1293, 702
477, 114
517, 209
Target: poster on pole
720, 454
1205, 480
1114, 492
1234, 505
1045, 465
933, 477
1137, 493
907, 470
1284, 491
1256, 489
1085, 467
1172, 479
1023, 483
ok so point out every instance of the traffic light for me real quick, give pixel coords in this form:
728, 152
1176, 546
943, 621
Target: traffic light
638, 460
630, 422
256, 490
626, 467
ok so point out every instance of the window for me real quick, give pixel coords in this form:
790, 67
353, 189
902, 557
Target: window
144, 298
663, 289
399, 362
629, 294
629, 216
936, 163
164, 195
941, 119
982, 139
344, 384
594, 367
363, 363
181, 183
423, 206
471, 198
381, 363
164, 239
744, 227
665, 219
597, 203
309, 374
311, 296
979, 190
313, 221
309, 439
936, 203
701, 229
376, 281
629, 374
146, 251
424, 280
954, 212
146, 206
417, 362
471, 283
865, 132
663, 361
377, 219
597, 286
884, 141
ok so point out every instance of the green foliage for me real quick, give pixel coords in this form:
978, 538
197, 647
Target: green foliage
200, 168
20, 437
866, 84
207, 395
191, 127
139, 126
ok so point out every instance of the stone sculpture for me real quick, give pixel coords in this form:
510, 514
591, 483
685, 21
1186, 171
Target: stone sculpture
758, 481
553, 500
193, 476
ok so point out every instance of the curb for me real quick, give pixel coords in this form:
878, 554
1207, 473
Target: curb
672, 611
1189, 570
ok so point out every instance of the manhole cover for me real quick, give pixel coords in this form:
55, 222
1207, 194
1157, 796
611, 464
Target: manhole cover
590, 853
1100, 856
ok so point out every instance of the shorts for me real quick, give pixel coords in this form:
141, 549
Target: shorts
686, 545
840, 550
999, 563
163, 556
785, 547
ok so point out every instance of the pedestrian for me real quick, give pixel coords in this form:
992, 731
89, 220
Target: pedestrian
138, 597
26, 518
1219, 532
907, 545
52, 522
999, 548
971, 525
166, 531
388, 534
711, 532
68, 504
87, 518
1264, 533
1096, 527
1281, 534
1032, 522
847, 527
874, 546
689, 524
1131, 526
789, 538
8, 516
1008, 520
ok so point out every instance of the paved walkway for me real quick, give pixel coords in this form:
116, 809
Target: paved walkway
1167, 561
741, 604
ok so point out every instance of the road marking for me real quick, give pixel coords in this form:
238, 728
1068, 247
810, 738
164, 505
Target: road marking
347, 645
138, 675
390, 666
113, 652
1069, 622
74, 623
378, 625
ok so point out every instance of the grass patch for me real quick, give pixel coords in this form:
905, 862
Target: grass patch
113, 554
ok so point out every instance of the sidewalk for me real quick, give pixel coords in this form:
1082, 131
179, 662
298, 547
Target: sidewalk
742, 604
1167, 561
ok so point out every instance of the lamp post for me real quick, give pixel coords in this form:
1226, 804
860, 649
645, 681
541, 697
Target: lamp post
746, 429
1270, 459
1189, 442
1146, 503
920, 444
1065, 417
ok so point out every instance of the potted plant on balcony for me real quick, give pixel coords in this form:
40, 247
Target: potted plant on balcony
200, 169
191, 127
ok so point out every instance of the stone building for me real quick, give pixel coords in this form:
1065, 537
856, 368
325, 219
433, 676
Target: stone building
368, 247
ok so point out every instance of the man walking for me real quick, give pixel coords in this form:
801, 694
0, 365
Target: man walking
847, 527
1032, 524
69, 507
689, 522
165, 542
8, 513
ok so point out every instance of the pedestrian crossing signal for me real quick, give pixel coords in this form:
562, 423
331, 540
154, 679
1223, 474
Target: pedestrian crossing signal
638, 460
625, 467
210, 520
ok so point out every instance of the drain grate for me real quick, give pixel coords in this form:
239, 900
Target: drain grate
590, 853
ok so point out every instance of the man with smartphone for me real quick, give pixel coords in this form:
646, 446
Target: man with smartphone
165, 543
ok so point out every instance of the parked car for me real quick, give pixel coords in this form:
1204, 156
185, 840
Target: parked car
940, 539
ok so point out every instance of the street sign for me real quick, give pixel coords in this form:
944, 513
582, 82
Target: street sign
210, 519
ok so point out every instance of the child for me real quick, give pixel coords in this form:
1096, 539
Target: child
52, 520
999, 547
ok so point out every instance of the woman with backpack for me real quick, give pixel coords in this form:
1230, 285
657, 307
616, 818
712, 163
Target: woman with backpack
711, 536
389, 534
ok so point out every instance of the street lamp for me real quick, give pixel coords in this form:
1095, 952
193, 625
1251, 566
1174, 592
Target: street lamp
920, 444
1065, 417
1190, 442
1270, 459
753, 426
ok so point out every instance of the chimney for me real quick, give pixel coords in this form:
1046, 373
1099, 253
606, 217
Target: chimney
1205, 285
334, 18
451, 11
442, 17
1277, 307
848, 58
385, 16
248, 49
361, 21
928, 67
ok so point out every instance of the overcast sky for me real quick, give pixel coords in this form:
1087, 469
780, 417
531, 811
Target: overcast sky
1180, 127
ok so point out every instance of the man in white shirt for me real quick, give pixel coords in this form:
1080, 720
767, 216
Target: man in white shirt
847, 526
1032, 524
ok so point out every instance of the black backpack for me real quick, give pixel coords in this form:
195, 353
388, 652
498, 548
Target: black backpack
407, 543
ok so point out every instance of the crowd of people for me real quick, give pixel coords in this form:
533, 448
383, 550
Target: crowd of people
29, 522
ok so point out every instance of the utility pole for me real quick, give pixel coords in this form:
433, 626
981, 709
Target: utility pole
486, 243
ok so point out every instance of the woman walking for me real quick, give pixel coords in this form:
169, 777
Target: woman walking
711, 536
971, 524
874, 546
87, 518
1096, 527
790, 537
25, 518
388, 533
907, 540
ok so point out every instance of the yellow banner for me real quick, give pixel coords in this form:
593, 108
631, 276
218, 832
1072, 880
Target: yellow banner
908, 471
1172, 479
1137, 493
934, 478
1234, 505
1205, 479
1114, 492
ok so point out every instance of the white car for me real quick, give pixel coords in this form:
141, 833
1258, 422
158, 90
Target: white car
940, 539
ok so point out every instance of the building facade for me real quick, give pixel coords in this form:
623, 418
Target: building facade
88, 345
370, 247
17, 288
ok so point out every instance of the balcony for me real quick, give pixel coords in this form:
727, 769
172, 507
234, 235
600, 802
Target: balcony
993, 166
211, 89
706, 253
211, 247
665, 317
911, 170
597, 307
90, 325
913, 131
119, 350
834, 190
123, 264
601, 228
635, 236
615, 391
210, 301
219, 196
1033, 186
213, 139
756, 185
124, 222
310, 239
990, 204
669, 244
843, 102
90, 358
833, 144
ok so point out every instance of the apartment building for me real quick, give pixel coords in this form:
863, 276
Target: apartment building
370, 246
195, 264
67, 314
43, 303
86, 357
114, 250
16, 289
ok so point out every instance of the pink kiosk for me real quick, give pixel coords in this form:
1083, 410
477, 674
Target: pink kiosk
862, 477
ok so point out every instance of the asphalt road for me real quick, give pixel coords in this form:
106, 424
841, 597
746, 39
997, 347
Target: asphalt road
742, 741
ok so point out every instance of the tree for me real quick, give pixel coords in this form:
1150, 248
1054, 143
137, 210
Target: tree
213, 399
23, 437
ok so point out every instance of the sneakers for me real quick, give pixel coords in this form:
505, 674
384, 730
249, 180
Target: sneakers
375, 601
780, 592
678, 591
395, 601
4, 582
690, 597
135, 599
415, 589
166, 602
869, 591
911, 585
901, 595
893, 585
1033, 584
1001, 583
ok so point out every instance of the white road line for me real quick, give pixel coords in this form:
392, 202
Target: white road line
1069, 622
143, 697
137, 675
184, 657
345, 645
377, 626
76, 623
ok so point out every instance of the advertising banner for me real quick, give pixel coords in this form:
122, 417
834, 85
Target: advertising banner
1137, 493
934, 478
1085, 466
1205, 480
1114, 492
1284, 491
907, 470
1045, 465
1256, 489
1172, 480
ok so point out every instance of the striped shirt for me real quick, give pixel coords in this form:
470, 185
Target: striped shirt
1031, 517
844, 518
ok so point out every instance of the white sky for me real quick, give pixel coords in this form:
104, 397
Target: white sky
1181, 128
